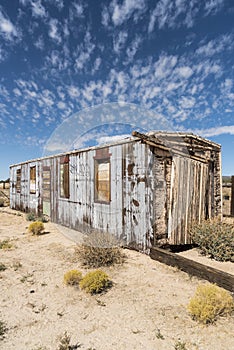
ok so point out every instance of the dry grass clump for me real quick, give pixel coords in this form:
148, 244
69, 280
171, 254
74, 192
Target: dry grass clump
6, 244
95, 282
210, 302
100, 249
36, 228
72, 277
215, 239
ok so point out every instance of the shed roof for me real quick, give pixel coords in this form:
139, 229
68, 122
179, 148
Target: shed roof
161, 139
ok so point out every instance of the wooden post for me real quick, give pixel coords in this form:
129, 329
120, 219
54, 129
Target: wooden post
232, 197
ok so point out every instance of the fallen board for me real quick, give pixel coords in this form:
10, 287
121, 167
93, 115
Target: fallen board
222, 279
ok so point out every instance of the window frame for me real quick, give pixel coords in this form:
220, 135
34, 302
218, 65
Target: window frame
33, 179
64, 177
18, 180
102, 157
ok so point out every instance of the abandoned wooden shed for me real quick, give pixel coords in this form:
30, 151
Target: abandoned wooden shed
147, 189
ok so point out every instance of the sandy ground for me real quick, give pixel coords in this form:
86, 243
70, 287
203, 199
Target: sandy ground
145, 309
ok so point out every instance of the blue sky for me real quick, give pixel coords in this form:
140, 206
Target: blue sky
57, 58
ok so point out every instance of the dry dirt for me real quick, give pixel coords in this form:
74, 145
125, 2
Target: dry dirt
145, 309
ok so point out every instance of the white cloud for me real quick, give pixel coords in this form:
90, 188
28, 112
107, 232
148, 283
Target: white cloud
54, 31
215, 131
39, 43
121, 13
218, 45
133, 48
187, 102
105, 16
213, 6
85, 50
96, 65
79, 9
62, 105
38, 10
185, 72
119, 41
164, 66
73, 91
7, 28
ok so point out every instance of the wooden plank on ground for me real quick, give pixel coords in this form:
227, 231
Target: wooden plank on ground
222, 279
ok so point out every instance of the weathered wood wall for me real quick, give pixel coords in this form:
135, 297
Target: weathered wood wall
156, 193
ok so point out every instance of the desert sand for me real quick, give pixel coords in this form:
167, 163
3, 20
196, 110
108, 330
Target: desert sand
145, 308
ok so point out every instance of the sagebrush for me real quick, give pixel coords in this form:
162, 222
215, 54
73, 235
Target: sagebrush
100, 249
95, 282
215, 239
36, 228
3, 329
72, 277
210, 302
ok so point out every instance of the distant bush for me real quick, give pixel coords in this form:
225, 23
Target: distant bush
31, 217
1, 202
3, 329
209, 302
215, 239
95, 282
72, 277
2, 267
100, 249
36, 228
6, 244
42, 218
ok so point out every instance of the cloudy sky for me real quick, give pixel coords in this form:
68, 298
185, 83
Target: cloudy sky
59, 57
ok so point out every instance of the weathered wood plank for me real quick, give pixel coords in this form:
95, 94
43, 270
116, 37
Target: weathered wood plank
222, 279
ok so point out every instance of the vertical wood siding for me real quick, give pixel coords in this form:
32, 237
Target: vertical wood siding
155, 195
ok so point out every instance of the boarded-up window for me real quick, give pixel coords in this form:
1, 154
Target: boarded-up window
64, 177
33, 179
102, 180
18, 180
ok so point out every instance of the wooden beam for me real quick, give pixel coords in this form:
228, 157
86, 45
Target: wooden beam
222, 279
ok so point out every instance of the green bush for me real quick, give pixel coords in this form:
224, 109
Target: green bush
72, 277
95, 282
100, 249
209, 302
215, 239
31, 217
36, 228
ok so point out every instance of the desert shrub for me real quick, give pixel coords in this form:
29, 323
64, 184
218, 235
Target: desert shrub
209, 302
3, 329
6, 244
43, 218
215, 239
95, 282
31, 217
36, 228
65, 343
100, 249
2, 267
72, 277
1, 202
180, 345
